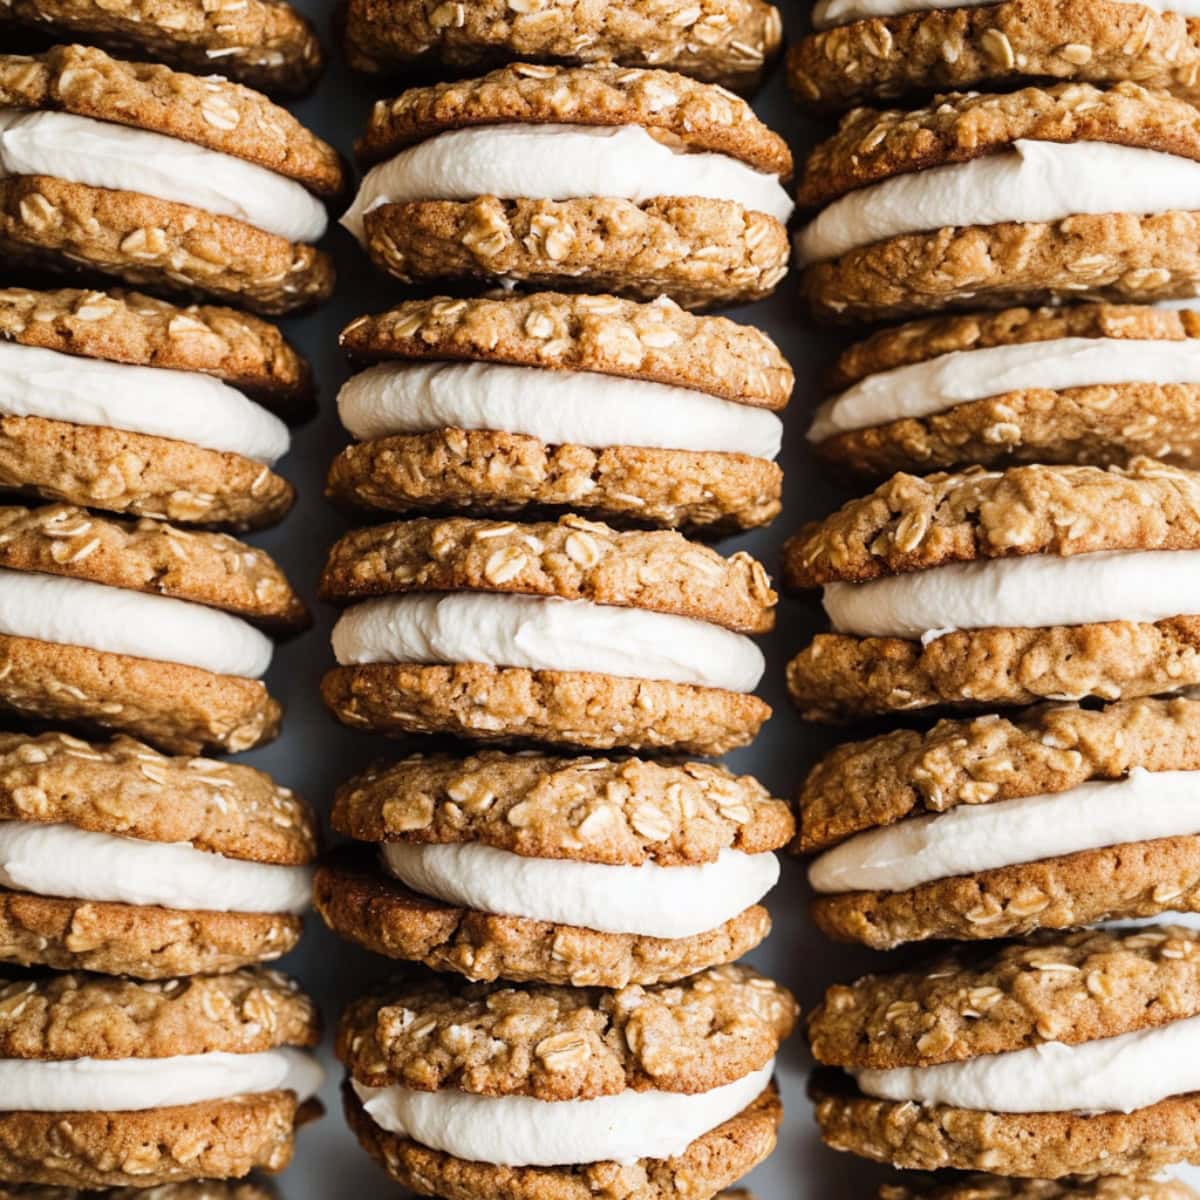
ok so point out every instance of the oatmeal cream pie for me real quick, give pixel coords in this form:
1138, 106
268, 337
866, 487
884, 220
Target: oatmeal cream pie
200, 1189
170, 181
141, 628
1065, 1055
865, 50
993, 827
981, 201
638, 412
121, 402
266, 44
730, 42
580, 871
114, 858
477, 1091
123, 1083
983, 589
598, 179
1001, 1187
566, 633
1092, 383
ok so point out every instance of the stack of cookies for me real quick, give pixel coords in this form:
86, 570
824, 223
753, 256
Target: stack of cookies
582, 880
1013, 593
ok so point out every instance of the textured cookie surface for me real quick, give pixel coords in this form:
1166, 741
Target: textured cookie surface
995, 1187
722, 41
129, 327
557, 708
618, 812
719, 1157
571, 559
360, 903
658, 341
205, 1189
567, 1043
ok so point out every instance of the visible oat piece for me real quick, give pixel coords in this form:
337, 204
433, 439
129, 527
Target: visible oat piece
556, 708
141, 941
208, 111
489, 473
623, 812
658, 341
181, 709
698, 251
266, 44
571, 559
360, 903
993, 47
995, 1187
720, 41
717, 1158
696, 116
212, 569
204, 1189
1047, 750
912, 524
52, 225
566, 1043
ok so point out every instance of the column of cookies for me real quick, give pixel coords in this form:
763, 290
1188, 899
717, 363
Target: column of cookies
586, 900
146, 886
1017, 591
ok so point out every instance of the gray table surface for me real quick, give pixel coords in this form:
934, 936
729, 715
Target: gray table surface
315, 754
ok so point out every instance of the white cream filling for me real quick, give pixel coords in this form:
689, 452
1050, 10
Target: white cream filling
926, 388
137, 1084
1034, 592
579, 408
516, 1131
984, 837
560, 162
77, 612
104, 155
653, 901
61, 860
546, 634
1116, 1074
184, 405
1034, 181
829, 13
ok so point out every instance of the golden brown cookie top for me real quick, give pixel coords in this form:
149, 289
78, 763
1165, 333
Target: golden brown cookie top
129, 327
872, 145
207, 111
65, 1016
657, 341
574, 559
677, 110
148, 556
126, 788
1069, 988
911, 523
553, 1043
619, 812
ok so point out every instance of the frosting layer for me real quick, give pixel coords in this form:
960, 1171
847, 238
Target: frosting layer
828, 13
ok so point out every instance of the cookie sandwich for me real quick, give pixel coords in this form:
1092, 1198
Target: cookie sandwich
720, 41
265, 44
117, 859
993, 827
1066, 1055
982, 589
1068, 192
580, 871
201, 1189
567, 1091
140, 628
1092, 383
118, 401
999, 1187
122, 1083
160, 179
635, 412
865, 50
565, 633
597, 179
